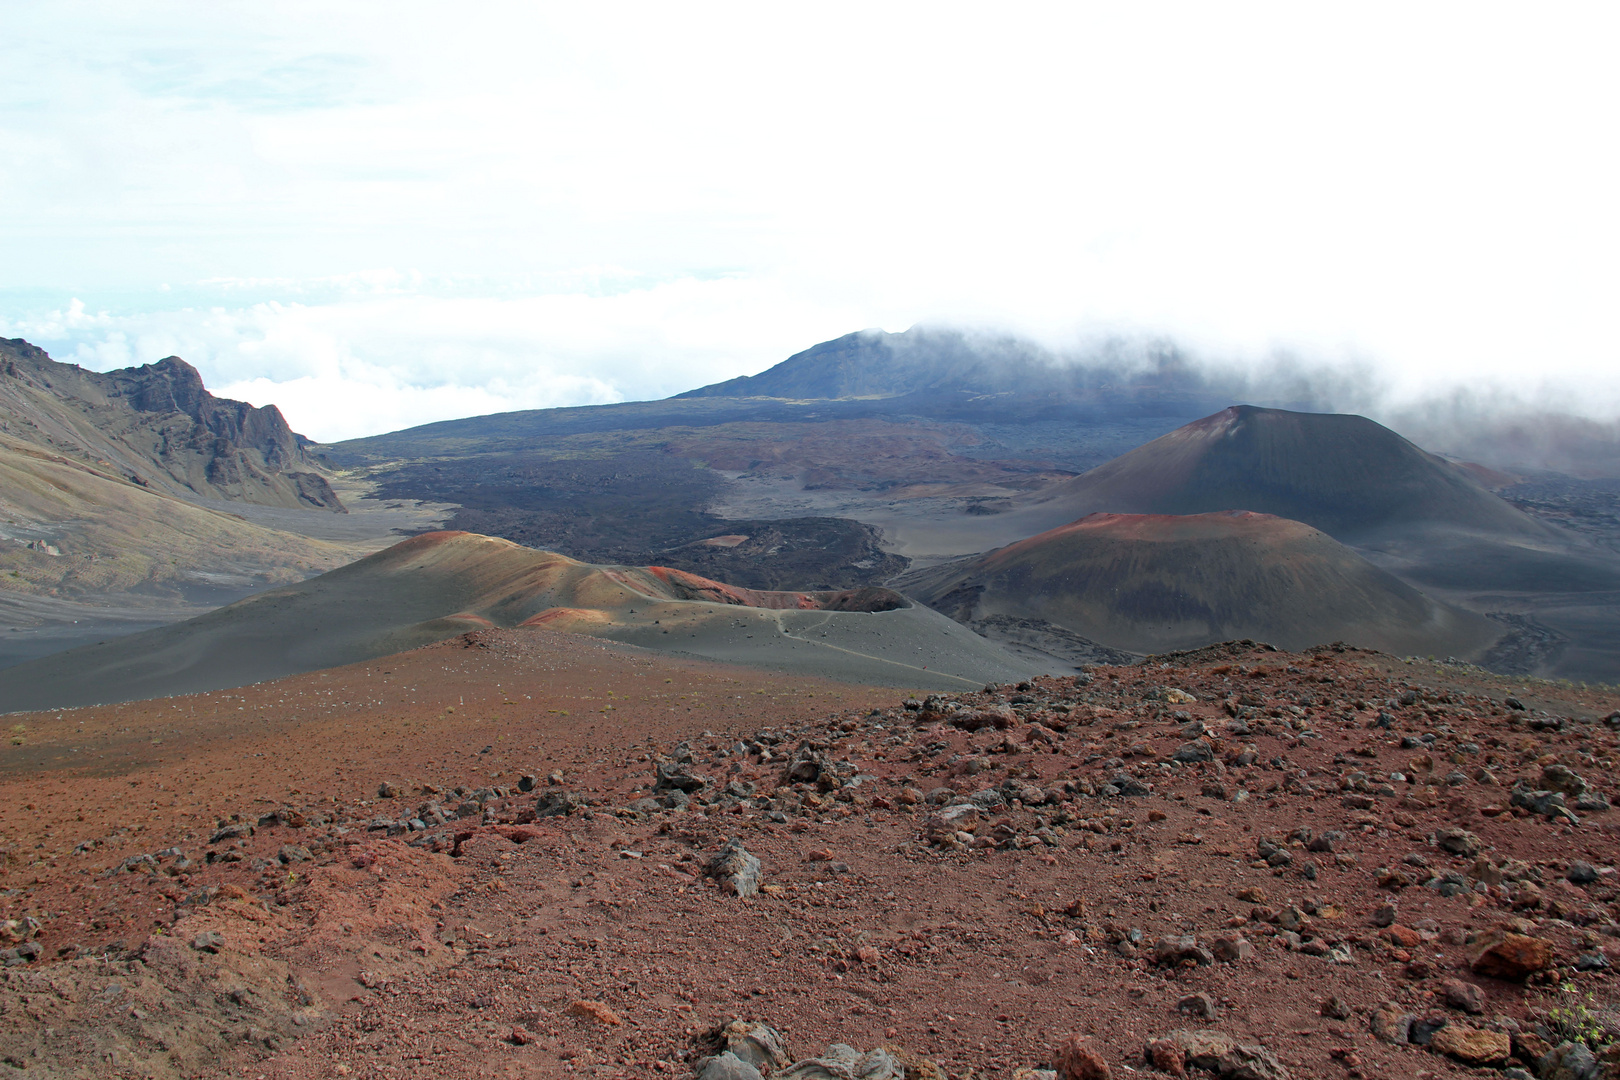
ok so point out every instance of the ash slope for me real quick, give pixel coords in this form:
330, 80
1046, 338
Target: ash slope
1152, 584
73, 531
441, 585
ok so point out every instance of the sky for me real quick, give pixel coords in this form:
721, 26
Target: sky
380, 214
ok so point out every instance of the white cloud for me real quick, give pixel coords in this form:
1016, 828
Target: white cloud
372, 363
1427, 187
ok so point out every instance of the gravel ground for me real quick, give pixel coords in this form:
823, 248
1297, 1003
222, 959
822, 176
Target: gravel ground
1320, 844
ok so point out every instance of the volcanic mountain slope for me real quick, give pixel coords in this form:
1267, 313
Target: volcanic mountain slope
924, 360
440, 585
76, 531
136, 497
157, 425
1346, 475
946, 442
1152, 583
1417, 515
821, 448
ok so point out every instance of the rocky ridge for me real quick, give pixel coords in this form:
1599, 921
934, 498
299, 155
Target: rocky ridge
158, 426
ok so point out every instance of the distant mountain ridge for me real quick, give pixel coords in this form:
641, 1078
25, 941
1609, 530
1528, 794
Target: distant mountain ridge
158, 425
873, 363
925, 361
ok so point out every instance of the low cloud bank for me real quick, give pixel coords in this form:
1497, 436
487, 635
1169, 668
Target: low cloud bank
381, 352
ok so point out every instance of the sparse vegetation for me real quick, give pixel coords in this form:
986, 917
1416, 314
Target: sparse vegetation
1572, 1018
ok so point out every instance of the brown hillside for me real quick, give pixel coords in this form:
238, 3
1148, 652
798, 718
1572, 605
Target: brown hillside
1154, 583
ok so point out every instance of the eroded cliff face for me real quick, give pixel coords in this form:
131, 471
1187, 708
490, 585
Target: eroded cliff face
158, 426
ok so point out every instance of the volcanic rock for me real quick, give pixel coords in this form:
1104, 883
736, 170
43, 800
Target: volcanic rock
1502, 954
842, 1062
1076, 1059
1173, 949
1569, 1061
1223, 1055
1463, 995
737, 871
1391, 1023
1472, 1046
726, 1066
757, 1045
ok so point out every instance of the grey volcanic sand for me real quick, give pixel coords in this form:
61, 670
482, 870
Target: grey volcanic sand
909, 647
441, 585
1154, 583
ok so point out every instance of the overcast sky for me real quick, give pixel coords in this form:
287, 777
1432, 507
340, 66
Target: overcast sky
375, 215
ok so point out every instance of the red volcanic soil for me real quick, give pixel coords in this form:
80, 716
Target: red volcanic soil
1152, 582
970, 879
686, 586
1162, 528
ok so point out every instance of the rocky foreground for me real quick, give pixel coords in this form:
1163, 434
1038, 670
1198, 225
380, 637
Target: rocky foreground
1236, 862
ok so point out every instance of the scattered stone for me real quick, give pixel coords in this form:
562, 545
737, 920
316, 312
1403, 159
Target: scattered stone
385, 790
1172, 950
1549, 804
737, 871
842, 1062
726, 1066
1200, 1005
1467, 996
1596, 960
1191, 753
1472, 1046
1127, 785
756, 1045
1424, 1028
209, 941
1460, 842
1581, 873
1222, 1055
1569, 1061
1390, 1023
1563, 779
595, 1010
1076, 1059
557, 802
1335, 1008
1166, 1057
678, 776
1000, 717
1233, 948
1502, 954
